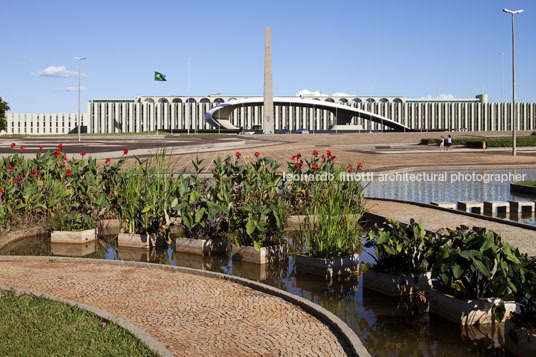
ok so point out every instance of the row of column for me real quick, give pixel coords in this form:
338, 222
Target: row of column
42, 123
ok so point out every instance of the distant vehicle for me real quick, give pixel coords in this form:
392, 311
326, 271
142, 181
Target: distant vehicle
267, 132
302, 131
283, 131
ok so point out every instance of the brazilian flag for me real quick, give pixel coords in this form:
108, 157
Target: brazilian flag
159, 77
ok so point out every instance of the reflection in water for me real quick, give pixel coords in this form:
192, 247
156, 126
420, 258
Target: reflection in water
393, 326
427, 191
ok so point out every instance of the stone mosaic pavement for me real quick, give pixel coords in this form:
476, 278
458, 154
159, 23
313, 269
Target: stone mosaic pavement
524, 239
191, 315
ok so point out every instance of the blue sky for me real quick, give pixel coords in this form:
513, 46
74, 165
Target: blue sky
407, 48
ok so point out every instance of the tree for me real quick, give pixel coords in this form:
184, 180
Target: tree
3, 109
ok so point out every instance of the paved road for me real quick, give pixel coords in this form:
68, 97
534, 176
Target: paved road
191, 315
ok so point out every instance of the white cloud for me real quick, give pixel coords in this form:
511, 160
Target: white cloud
58, 72
73, 89
308, 92
318, 93
342, 94
441, 96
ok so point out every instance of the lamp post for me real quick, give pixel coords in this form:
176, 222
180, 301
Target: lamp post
79, 59
502, 73
514, 110
189, 108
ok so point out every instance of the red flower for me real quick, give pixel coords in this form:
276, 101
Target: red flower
1, 191
58, 153
359, 166
60, 146
40, 148
350, 169
299, 154
69, 172
22, 149
10, 167
125, 151
13, 145
332, 158
65, 158
293, 158
299, 165
328, 152
315, 166
238, 154
315, 153
107, 161
83, 153
257, 153
343, 220
323, 158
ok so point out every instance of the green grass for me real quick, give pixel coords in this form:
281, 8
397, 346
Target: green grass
526, 183
492, 142
36, 326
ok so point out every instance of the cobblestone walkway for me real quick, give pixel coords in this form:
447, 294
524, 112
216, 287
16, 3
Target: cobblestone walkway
433, 219
192, 315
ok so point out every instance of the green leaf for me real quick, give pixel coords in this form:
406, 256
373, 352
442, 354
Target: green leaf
250, 226
498, 312
481, 267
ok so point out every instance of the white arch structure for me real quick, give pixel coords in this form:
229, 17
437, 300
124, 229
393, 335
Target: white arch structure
219, 116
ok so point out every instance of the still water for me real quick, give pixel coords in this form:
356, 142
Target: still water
387, 326
455, 187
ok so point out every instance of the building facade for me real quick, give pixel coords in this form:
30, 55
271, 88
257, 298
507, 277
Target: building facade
148, 113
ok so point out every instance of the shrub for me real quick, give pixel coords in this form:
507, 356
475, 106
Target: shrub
399, 249
332, 225
526, 295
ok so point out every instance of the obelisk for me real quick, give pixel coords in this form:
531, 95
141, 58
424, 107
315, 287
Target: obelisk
268, 110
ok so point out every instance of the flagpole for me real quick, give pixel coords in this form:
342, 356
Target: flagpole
189, 108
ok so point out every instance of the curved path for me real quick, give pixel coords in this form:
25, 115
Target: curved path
190, 314
434, 219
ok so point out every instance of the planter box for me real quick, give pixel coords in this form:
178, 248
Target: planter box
519, 340
466, 312
109, 227
80, 237
140, 240
328, 267
213, 246
397, 285
73, 250
263, 256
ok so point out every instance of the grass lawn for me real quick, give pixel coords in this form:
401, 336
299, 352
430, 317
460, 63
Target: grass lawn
526, 183
35, 326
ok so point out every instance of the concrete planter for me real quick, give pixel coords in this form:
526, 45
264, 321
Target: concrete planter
397, 285
328, 267
215, 246
140, 240
264, 255
73, 250
109, 227
466, 312
519, 340
73, 237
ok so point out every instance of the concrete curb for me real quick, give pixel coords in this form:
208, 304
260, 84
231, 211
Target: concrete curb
12, 237
143, 336
529, 190
354, 343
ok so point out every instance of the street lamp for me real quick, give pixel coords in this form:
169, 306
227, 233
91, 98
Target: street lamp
514, 110
79, 59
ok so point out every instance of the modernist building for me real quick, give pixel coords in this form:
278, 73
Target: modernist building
372, 113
